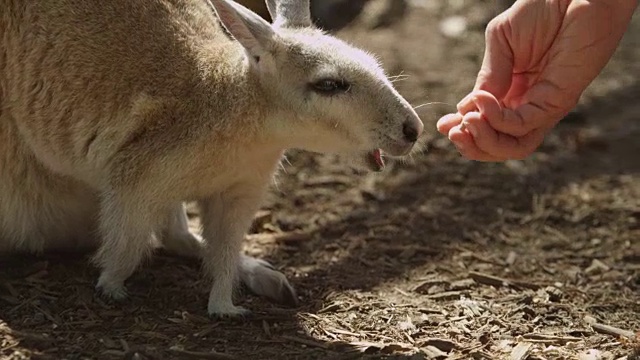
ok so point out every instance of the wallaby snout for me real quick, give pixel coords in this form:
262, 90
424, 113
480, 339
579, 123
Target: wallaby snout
413, 127
410, 131
403, 129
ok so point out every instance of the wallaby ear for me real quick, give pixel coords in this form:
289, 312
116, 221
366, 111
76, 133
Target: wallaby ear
247, 27
290, 13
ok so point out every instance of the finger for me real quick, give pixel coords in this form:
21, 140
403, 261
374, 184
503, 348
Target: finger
448, 121
527, 118
467, 104
544, 104
497, 64
539, 112
482, 101
467, 147
499, 144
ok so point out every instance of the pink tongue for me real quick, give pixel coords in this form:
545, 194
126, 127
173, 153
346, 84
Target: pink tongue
377, 156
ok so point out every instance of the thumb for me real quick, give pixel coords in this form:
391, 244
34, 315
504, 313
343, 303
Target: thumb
497, 64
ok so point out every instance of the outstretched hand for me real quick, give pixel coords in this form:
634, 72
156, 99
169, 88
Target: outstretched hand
540, 56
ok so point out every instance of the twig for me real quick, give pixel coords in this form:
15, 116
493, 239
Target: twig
447, 295
549, 339
608, 329
27, 336
487, 279
212, 355
492, 280
304, 341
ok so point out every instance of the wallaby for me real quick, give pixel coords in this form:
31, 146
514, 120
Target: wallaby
114, 113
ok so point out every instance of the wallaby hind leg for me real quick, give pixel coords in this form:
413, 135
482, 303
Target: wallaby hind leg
177, 238
257, 275
126, 226
264, 280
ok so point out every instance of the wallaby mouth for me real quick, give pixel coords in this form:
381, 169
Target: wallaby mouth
375, 161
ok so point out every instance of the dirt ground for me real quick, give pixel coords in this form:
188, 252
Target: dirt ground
437, 257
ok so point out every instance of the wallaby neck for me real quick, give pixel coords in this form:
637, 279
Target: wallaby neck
233, 103
231, 93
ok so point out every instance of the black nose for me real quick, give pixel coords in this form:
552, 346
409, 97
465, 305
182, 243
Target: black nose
410, 132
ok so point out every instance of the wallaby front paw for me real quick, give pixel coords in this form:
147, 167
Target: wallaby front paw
111, 289
227, 311
262, 279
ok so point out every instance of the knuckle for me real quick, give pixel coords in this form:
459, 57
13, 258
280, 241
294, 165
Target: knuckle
494, 25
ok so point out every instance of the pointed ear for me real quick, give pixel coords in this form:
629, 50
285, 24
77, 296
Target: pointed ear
247, 27
290, 13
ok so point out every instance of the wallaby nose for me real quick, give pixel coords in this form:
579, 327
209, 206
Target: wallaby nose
410, 131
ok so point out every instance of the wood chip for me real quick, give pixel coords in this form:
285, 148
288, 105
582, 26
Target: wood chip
26, 336
550, 339
201, 355
371, 347
521, 351
442, 344
463, 284
432, 352
596, 267
608, 329
447, 295
497, 281
488, 279
302, 341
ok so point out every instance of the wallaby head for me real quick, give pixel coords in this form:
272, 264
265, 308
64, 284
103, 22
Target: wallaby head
324, 94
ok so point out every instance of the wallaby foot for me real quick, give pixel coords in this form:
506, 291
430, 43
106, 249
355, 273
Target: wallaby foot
262, 279
176, 237
111, 287
228, 310
125, 228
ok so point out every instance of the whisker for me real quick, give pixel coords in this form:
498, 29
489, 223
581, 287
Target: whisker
399, 77
432, 103
285, 158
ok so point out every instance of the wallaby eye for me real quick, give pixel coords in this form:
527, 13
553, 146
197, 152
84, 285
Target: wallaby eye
330, 86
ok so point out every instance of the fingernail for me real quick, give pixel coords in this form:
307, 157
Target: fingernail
462, 102
472, 128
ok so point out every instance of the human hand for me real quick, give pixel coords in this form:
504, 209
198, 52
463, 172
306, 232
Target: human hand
540, 57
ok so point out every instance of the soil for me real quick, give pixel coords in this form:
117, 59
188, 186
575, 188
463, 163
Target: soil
436, 257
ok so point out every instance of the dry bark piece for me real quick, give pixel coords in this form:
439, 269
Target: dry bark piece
463, 284
371, 347
447, 295
608, 329
304, 341
432, 352
442, 344
596, 267
212, 355
549, 339
487, 279
497, 281
520, 351
27, 336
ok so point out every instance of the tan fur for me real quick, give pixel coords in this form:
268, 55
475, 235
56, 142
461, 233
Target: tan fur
112, 113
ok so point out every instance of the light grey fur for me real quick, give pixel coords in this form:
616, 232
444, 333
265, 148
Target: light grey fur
113, 113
